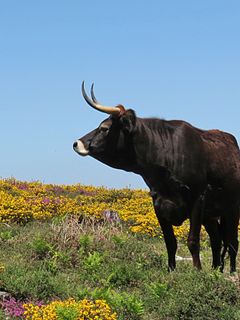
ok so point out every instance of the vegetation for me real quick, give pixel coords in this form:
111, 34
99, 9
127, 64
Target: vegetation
77, 265
22, 202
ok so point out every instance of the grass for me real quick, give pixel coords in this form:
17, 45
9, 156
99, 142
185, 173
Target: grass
63, 258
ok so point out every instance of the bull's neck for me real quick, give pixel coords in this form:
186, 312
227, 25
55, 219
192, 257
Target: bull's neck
154, 148
153, 141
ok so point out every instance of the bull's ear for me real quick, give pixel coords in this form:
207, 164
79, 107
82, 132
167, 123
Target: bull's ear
128, 121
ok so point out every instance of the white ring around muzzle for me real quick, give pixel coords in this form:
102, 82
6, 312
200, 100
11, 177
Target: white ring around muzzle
80, 148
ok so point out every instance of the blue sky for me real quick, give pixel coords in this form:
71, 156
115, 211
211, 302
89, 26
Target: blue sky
171, 59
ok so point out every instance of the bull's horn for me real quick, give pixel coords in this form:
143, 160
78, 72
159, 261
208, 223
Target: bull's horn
93, 95
115, 111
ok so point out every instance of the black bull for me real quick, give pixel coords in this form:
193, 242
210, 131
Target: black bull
191, 173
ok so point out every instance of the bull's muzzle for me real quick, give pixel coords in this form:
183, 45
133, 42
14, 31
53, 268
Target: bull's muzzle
80, 148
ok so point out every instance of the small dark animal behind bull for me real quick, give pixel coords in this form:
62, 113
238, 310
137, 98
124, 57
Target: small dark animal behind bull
178, 162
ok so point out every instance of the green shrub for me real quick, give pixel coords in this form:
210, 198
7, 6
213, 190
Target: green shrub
119, 240
85, 241
41, 247
127, 306
124, 275
23, 282
200, 296
93, 261
67, 313
6, 235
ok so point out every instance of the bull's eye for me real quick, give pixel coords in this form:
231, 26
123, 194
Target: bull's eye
103, 129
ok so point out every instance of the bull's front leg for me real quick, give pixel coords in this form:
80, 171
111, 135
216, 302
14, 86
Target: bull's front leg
194, 233
168, 233
171, 243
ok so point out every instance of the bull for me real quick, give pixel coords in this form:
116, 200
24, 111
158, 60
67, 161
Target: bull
191, 173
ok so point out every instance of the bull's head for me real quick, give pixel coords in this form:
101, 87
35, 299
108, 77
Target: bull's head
110, 142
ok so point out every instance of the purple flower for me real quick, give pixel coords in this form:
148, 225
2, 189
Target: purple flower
23, 186
46, 200
57, 201
12, 307
57, 190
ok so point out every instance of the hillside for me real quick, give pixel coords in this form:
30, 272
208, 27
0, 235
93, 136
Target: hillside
81, 252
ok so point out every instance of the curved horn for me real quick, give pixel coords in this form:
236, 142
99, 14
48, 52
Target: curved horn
116, 111
93, 95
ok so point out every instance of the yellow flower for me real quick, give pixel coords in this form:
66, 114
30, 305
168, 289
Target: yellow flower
24, 201
86, 309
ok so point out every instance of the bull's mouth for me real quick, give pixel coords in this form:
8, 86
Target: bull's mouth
79, 147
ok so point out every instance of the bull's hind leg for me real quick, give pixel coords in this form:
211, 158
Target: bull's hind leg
194, 233
213, 229
232, 237
222, 230
229, 226
223, 253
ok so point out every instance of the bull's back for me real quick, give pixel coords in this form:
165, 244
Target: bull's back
223, 159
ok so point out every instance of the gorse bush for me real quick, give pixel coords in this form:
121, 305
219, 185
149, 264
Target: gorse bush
22, 202
70, 310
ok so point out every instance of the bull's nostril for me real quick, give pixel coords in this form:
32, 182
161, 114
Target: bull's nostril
75, 144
